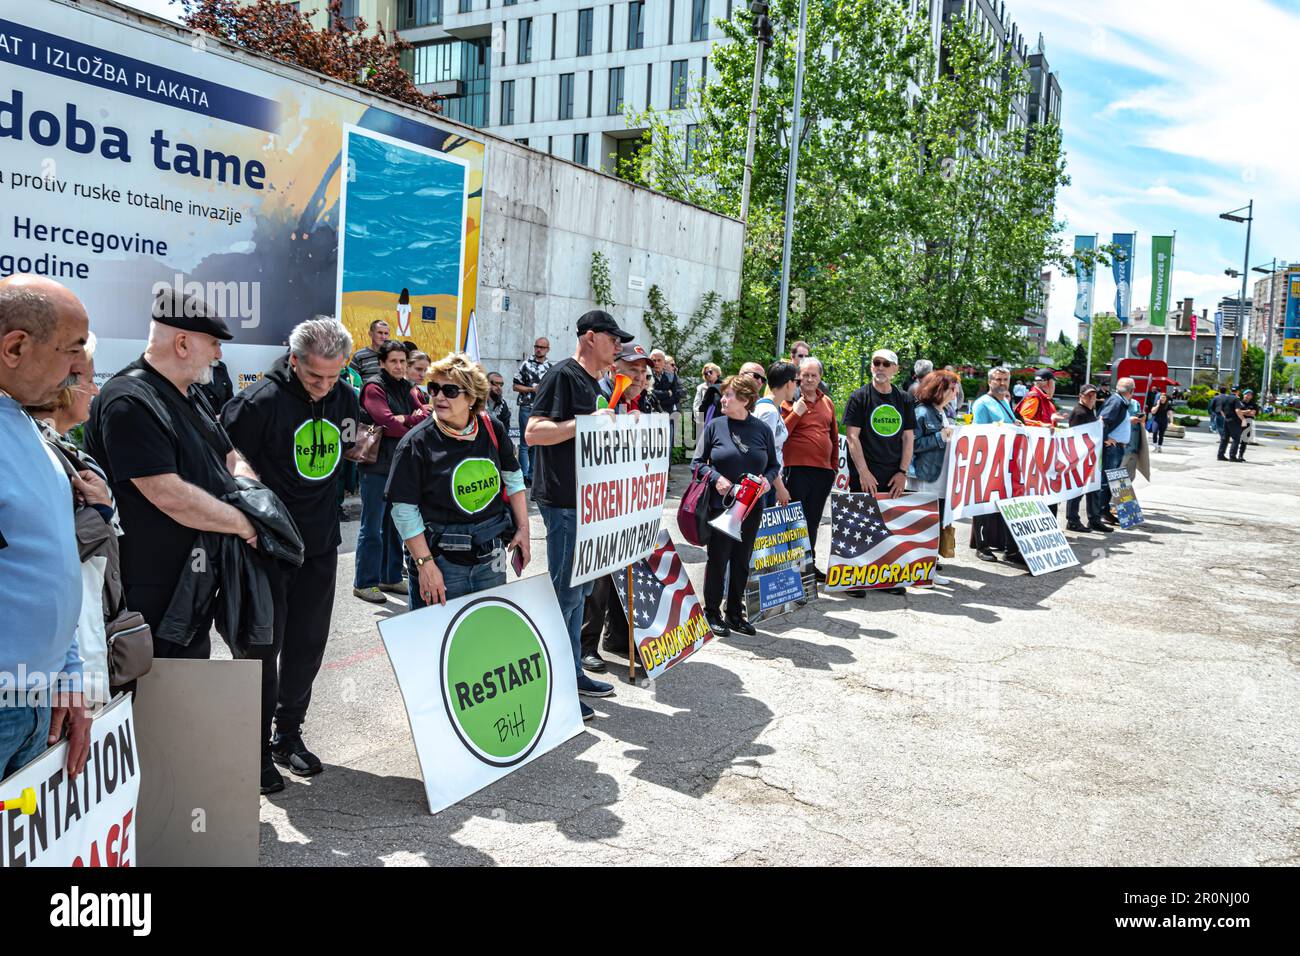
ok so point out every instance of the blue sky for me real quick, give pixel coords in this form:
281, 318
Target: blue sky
1173, 112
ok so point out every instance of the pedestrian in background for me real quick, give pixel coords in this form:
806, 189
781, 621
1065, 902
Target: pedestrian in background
366, 361
526, 382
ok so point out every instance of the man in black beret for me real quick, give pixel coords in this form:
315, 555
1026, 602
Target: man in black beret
168, 460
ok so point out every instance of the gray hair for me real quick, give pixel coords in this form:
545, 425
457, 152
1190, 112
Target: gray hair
27, 310
821, 369
998, 370
1125, 385
922, 368
322, 336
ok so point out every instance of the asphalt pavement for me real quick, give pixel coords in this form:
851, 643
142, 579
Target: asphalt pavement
1139, 709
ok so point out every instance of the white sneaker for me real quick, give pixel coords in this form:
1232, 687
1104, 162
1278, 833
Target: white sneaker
940, 579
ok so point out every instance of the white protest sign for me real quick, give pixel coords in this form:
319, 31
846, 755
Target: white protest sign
1038, 535
89, 821
488, 682
842, 470
622, 470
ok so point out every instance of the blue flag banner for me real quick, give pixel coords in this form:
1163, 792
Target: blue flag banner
1086, 279
1218, 339
1122, 268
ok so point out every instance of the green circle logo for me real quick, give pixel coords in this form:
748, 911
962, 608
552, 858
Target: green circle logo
317, 449
496, 681
886, 420
474, 483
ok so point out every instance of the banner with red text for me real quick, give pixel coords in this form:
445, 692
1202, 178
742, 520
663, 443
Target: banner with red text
622, 471
987, 463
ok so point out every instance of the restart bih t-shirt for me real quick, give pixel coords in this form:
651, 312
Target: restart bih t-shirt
451, 481
566, 392
884, 417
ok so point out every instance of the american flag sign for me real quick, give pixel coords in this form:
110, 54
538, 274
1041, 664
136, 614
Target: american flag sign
889, 543
668, 622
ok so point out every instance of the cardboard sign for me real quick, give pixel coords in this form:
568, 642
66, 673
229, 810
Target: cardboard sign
1123, 499
622, 471
882, 543
488, 683
1038, 535
89, 821
668, 623
989, 463
782, 557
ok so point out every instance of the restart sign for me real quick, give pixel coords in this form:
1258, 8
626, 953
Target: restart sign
622, 471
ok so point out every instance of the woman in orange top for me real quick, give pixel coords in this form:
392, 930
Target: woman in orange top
811, 449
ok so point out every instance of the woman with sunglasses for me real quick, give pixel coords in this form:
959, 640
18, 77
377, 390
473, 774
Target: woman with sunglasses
457, 491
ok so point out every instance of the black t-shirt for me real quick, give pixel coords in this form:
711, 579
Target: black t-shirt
734, 449
883, 418
1081, 414
452, 481
1228, 409
565, 392
130, 440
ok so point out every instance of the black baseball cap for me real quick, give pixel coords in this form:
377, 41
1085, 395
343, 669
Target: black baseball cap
1044, 374
598, 320
188, 312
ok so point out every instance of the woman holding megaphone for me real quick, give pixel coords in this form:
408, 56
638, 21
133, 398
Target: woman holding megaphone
737, 454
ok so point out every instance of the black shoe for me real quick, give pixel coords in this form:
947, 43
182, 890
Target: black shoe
895, 590
594, 663
1101, 528
289, 752
857, 593
740, 626
984, 554
819, 575
1017, 559
1109, 517
1222, 458
716, 624
587, 712
272, 782
1078, 526
593, 688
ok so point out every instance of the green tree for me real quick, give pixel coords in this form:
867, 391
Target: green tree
1102, 341
1078, 365
1061, 352
1279, 374
920, 221
1252, 368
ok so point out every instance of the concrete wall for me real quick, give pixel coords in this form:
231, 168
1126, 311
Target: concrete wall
542, 220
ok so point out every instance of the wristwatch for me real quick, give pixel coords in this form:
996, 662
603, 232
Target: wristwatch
420, 562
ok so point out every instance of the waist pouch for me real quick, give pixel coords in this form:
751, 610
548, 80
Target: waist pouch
470, 544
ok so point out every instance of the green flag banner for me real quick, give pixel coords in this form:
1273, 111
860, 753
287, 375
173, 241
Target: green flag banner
1162, 270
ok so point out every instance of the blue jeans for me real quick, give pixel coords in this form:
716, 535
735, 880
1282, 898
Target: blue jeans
561, 533
525, 456
459, 579
379, 546
23, 732
1112, 456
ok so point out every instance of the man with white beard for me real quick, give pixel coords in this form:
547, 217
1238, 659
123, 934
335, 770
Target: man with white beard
168, 459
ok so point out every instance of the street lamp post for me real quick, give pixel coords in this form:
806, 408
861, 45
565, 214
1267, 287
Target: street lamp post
791, 176
763, 38
1267, 378
1249, 220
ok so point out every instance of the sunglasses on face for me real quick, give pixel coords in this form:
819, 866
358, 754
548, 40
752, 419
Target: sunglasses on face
761, 378
447, 389
881, 363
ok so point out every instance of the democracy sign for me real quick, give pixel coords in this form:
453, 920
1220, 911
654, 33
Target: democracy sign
668, 624
622, 472
886, 543
782, 558
1038, 535
488, 682
89, 821
1123, 499
986, 463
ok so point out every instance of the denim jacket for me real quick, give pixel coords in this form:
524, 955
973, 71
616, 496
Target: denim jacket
930, 447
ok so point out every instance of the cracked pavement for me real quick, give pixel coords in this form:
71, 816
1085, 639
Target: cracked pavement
1140, 709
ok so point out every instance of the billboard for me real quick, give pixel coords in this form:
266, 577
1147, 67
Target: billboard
275, 195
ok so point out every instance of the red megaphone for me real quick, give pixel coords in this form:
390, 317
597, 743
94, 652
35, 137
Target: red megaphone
737, 504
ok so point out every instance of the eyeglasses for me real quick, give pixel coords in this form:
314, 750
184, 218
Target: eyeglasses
447, 389
881, 363
761, 378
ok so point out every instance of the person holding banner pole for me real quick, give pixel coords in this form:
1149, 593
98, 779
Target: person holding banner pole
732, 446
989, 533
570, 389
812, 448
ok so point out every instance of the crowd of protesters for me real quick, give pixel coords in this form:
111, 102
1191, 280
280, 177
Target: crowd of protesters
173, 466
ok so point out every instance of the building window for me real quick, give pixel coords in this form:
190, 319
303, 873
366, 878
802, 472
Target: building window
692, 143
704, 73
511, 3
672, 15
508, 103
550, 141
591, 76
566, 96
615, 91
699, 19
463, 61
584, 31
609, 40
625, 156
635, 24
465, 6
580, 149
677, 94
525, 48
649, 84
522, 141
532, 100
410, 13
554, 31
